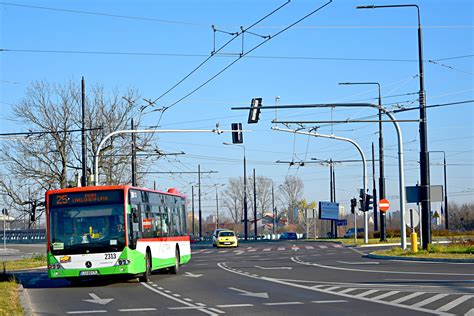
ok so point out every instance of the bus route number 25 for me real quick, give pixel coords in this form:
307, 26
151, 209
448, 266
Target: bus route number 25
110, 256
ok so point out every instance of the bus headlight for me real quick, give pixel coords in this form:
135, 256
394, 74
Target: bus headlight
55, 266
122, 262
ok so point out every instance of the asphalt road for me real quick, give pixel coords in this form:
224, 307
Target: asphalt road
269, 278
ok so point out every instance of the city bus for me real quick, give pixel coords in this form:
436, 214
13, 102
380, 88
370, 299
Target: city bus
115, 230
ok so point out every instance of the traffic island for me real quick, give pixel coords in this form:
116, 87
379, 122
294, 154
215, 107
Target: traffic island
454, 252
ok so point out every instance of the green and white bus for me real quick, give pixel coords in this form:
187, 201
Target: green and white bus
114, 230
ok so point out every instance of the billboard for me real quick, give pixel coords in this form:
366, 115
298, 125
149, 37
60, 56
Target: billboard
328, 210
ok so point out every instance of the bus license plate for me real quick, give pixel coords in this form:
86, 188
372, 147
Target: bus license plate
91, 272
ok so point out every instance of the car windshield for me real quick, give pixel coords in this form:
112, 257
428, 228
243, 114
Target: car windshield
226, 234
87, 229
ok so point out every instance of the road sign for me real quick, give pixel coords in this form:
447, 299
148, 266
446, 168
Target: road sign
412, 218
384, 205
341, 222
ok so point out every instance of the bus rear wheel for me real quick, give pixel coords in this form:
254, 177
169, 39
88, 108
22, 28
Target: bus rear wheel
175, 269
145, 277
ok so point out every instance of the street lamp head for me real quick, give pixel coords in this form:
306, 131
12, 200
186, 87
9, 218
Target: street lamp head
344, 83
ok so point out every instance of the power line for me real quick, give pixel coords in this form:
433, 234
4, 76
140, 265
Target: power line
102, 14
214, 52
248, 52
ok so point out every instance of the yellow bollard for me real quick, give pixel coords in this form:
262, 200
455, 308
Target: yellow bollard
414, 242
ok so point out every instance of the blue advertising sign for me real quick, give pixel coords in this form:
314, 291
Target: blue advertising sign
341, 222
328, 210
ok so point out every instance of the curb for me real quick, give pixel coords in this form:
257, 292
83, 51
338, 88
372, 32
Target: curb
25, 301
453, 260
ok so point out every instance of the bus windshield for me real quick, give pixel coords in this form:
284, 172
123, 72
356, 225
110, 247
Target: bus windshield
87, 229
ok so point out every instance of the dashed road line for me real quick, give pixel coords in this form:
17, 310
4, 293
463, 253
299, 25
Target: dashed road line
137, 309
234, 305
329, 301
384, 295
283, 303
87, 312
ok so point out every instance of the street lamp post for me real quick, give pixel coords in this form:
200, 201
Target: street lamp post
446, 218
424, 155
245, 190
381, 161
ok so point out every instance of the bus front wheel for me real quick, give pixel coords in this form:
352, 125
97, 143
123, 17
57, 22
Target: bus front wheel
145, 277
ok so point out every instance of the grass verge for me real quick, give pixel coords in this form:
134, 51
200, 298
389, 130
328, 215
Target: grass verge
457, 250
9, 297
35, 261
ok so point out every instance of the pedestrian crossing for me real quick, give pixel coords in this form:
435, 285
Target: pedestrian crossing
439, 303
266, 249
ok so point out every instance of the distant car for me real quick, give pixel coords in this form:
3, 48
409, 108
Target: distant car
224, 238
350, 232
288, 235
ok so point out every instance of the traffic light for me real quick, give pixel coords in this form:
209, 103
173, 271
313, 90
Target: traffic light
362, 201
237, 136
369, 202
353, 205
255, 110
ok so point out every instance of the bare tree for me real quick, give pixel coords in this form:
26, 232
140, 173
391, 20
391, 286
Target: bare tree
291, 191
51, 159
264, 194
233, 199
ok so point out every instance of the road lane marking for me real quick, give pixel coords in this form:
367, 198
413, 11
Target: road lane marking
329, 301
297, 260
323, 247
407, 297
197, 306
215, 310
384, 295
454, 303
348, 290
432, 280
309, 247
337, 246
273, 268
332, 288
470, 313
281, 248
234, 305
363, 262
137, 309
223, 266
430, 300
366, 293
251, 294
283, 303
267, 249
87, 312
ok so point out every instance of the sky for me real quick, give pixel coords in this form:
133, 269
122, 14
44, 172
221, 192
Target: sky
152, 45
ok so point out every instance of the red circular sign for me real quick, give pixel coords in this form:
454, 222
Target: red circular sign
384, 205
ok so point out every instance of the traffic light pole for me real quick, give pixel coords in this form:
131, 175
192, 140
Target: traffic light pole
364, 167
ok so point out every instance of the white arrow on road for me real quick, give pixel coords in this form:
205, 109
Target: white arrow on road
247, 293
98, 300
273, 268
191, 275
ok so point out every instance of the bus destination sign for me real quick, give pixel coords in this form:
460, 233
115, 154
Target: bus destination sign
86, 198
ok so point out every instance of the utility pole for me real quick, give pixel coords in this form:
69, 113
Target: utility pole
374, 190
334, 197
199, 202
274, 211
217, 209
192, 208
254, 205
134, 156
83, 132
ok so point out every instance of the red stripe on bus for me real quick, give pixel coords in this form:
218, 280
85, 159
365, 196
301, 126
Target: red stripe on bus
160, 239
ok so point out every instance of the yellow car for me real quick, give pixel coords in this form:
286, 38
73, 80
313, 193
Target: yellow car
224, 238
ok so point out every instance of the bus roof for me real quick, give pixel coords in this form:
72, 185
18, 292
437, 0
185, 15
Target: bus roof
171, 191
